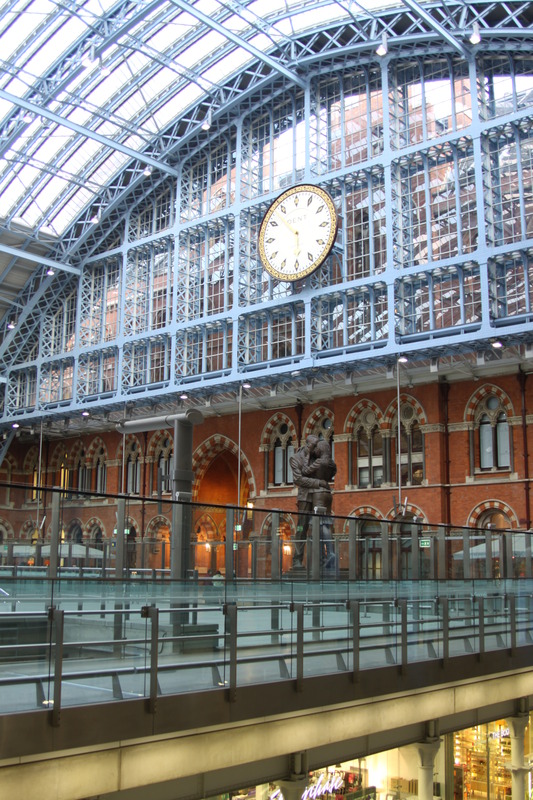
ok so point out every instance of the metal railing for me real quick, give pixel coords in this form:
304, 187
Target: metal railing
74, 646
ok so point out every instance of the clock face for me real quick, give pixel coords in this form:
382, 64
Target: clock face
297, 232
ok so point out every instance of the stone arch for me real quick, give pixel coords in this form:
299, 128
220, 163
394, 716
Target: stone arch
156, 440
312, 421
125, 443
406, 400
155, 525
94, 447
31, 458
354, 420
91, 524
206, 452
75, 453
409, 510
481, 394
57, 457
27, 529
491, 505
369, 512
275, 420
7, 527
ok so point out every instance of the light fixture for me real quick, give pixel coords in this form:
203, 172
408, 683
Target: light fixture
95, 219
247, 385
402, 359
147, 171
11, 325
85, 414
475, 36
497, 344
184, 396
15, 425
383, 47
50, 271
208, 120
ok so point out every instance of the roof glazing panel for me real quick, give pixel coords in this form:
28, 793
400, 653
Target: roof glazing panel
116, 73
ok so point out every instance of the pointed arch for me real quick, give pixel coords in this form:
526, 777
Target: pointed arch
363, 413
317, 423
481, 394
406, 401
208, 450
272, 425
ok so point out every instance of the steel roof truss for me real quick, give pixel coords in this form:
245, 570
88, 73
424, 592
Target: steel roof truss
436, 26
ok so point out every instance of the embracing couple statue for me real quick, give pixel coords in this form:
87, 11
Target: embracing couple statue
312, 470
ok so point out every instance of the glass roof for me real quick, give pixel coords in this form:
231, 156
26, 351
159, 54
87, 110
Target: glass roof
86, 87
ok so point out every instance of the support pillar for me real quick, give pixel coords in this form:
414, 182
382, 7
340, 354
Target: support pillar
427, 752
519, 770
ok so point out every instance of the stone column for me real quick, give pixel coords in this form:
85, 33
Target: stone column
517, 727
427, 752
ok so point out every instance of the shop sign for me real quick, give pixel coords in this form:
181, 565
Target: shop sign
324, 785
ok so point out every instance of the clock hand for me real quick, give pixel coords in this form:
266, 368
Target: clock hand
288, 225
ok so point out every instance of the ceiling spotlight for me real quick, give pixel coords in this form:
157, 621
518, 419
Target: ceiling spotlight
85, 414
50, 271
11, 325
208, 120
402, 360
147, 170
184, 396
383, 47
95, 219
15, 425
475, 36
247, 385
497, 344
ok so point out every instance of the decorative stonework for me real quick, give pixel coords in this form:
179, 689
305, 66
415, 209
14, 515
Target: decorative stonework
406, 402
476, 405
491, 505
271, 431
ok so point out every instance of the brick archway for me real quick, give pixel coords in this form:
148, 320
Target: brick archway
364, 405
488, 389
204, 455
405, 400
271, 425
491, 505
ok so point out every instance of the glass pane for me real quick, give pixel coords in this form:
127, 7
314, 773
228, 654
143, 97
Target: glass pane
486, 458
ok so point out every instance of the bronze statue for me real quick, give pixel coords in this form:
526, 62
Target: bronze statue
312, 469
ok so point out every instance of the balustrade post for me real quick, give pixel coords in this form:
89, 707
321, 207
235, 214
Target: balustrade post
315, 547
152, 613
352, 549
355, 613
299, 609
230, 612
57, 618
442, 567
481, 625
275, 571
230, 538
385, 556
54, 536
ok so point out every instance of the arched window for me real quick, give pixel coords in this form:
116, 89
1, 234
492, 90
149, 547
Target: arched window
411, 450
101, 472
493, 435
282, 449
369, 458
133, 469
64, 475
164, 465
81, 473
282, 466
